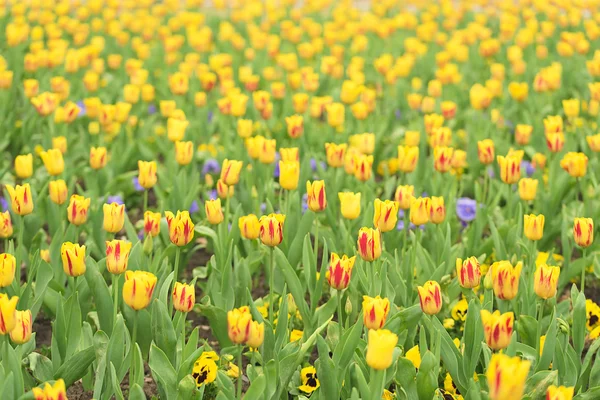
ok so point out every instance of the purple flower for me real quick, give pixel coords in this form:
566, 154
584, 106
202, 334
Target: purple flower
490, 172
466, 209
3, 204
82, 109
304, 203
527, 167
141, 235
194, 207
210, 116
136, 184
212, 195
313, 165
211, 166
263, 207
151, 109
115, 199
276, 170
398, 114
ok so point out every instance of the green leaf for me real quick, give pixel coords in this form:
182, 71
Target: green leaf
327, 371
102, 296
116, 386
41, 367
163, 331
295, 287
257, 388
217, 318
75, 368
163, 373
115, 349
186, 387
11, 362
537, 385
579, 328
136, 393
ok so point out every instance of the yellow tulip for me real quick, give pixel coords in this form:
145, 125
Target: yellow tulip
419, 210
430, 297
380, 348
20, 197
369, 243
184, 297
8, 314
386, 215
583, 231
506, 377
497, 328
214, 212
114, 217
375, 311
181, 227
349, 204
249, 226
147, 174
271, 229
73, 258
24, 166
8, 266
117, 256
21, 333
289, 173
533, 226
138, 289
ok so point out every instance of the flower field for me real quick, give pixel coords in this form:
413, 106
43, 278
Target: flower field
269, 200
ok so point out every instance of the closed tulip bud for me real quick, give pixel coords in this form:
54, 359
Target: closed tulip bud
214, 212
271, 229
6, 228
349, 204
363, 167
295, 126
335, 154
335, 114
117, 256
468, 272
505, 279
448, 109
528, 188
24, 166
594, 142
404, 196
244, 128
20, 198
510, 169
289, 154
184, 152
440, 137
538, 160
575, 164
430, 297
147, 174
249, 226
138, 289
533, 226
386, 215
230, 171
437, 210
60, 143
114, 217
151, 223
380, 349
257, 334
181, 227
559, 393
523, 134
73, 258
53, 161
369, 243
412, 138
407, 158
419, 211
317, 199
224, 191
239, 324
340, 271
555, 141
21, 333
184, 297
545, 280
58, 191
583, 231
497, 328
176, 129
485, 150
266, 153
8, 266
8, 314
506, 377
98, 157
375, 311
289, 174
442, 158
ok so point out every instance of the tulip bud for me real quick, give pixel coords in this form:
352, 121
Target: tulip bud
407, 158
335, 154
58, 191
181, 227
239, 322
21, 333
340, 271
151, 223
114, 217
369, 244
380, 349
468, 272
73, 258
138, 289
8, 315
349, 205
184, 152
53, 161
98, 157
214, 212
249, 226
224, 191
442, 158
559, 393
317, 199
6, 228
510, 168
363, 166
117, 256
257, 334
437, 210
555, 141
497, 328
148, 245
506, 377
271, 229
575, 164
289, 174
583, 231
430, 297
523, 134
419, 211
184, 297
348, 306
386, 215
230, 171
147, 174
375, 311
485, 150
545, 280
404, 196
24, 166
533, 226
505, 279
8, 266
528, 188
295, 126
20, 197
488, 282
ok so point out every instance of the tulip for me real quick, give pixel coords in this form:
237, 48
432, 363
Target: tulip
21, 333
448, 109
56, 392
559, 393
45, 255
485, 150
412, 138
300, 102
533, 226
555, 141
249, 226
437, 210
244, 128
138, 289
147, 174
224, 191
266, 150
151, 223
510, 168
257, 334
419, 210
505, 279
440, 137
6, 228
523, 134
545, 280
571, 108
117, 256
24, 166
20, 197
181, 227
459, 159
239, 321
506, 377
230, 171
364, 142
8, 266
575, 164
386, 215
184, 152
295, 126
340, 271
114, 217
375, 311
271, 229
430, 297
289, 174
349, 204
317, 199
404, 196
369, 243
335, 115
518, 91
468, 272
58, 191
408, 156
53, 161
528, 188
432, 121
442, 157
98, 157
214, 212
289, 154
176, 129
73, 258
594, 142
497, 328
363, 167
184, 297
254, 146
8, 314
380, 349
335, 154
583, 231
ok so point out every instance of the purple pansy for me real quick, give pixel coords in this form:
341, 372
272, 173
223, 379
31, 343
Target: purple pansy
527, 167
194, 207
82, 109
213, 195
136, 184
211, 166
151, 109
3, 204
466, 209
115, 199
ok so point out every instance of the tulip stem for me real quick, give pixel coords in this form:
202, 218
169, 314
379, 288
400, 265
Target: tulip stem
317, 244
583, 271
176, 270
115, 287
20, 246
132, 351
241, 373
145, 202
540, 315
376, 384
271, 283
405, 228
339, 309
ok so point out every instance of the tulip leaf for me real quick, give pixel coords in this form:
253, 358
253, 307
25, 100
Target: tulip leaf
427, 376
327, 371
41, 367
257, 388
472, 338
75, 367
579, 327
217, 317
136, 393
227, 390
547, 353
163, 331
102, 296
116, 384
163, 373
537, 384
302, 229
12, 362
